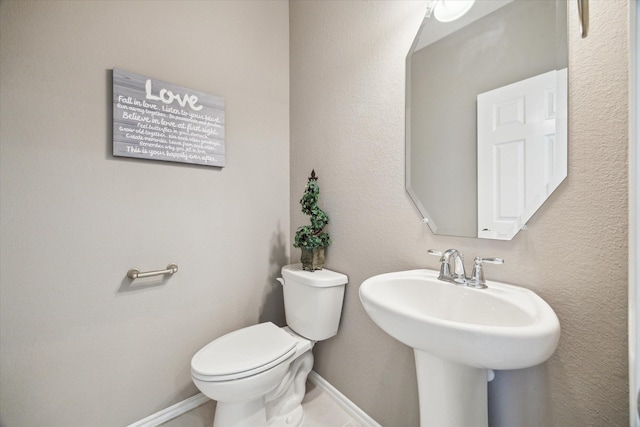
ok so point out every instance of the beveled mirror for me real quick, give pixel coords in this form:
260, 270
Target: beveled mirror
486, 114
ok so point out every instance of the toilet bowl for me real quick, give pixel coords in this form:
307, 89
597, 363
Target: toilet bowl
257, 374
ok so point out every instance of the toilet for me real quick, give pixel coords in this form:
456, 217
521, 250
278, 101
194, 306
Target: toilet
258, 374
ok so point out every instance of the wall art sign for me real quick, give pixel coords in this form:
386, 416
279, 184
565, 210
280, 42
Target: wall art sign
162, 121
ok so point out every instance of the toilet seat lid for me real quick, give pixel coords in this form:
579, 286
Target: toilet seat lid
242, 353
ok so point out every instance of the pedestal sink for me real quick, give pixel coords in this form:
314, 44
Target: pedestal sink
459, 333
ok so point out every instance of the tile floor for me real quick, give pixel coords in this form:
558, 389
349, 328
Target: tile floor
320, 410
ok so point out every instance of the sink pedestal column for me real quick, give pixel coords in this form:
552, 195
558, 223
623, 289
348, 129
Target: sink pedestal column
450, 394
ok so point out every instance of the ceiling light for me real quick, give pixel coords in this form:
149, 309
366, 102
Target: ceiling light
449, 10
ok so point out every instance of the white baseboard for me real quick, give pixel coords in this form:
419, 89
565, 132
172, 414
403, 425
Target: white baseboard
194, 401
172, 412
343, 401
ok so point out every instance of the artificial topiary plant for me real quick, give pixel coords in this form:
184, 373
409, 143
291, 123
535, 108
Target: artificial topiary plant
310, 238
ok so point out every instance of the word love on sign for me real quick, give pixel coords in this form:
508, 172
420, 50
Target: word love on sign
162, 121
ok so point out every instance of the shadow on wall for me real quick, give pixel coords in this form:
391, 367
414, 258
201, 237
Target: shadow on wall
272, 309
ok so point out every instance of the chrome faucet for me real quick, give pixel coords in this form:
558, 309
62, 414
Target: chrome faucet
459, 276
477, 275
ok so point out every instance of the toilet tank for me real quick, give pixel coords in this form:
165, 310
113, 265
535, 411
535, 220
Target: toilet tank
313, 301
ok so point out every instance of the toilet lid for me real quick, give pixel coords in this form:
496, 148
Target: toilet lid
242, 353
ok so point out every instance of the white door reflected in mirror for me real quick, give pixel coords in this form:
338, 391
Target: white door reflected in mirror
521, 155
495, 44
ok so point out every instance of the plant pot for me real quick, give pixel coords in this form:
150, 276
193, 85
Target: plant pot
312, 259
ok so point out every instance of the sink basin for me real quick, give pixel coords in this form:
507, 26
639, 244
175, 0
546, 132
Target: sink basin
458, 333
500, 327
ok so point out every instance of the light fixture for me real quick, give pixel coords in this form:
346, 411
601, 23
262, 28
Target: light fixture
448, 10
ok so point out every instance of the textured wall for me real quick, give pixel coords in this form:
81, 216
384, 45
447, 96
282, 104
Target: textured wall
79, 345
347, 122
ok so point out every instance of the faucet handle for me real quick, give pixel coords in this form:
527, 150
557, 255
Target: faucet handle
477, 275
444, 266
488, 260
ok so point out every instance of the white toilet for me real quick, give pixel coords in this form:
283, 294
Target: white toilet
258, 373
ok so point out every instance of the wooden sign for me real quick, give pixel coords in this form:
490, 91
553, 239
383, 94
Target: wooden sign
162, 121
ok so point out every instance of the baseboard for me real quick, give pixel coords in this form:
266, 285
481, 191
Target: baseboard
172, 412
343, 401
194, 401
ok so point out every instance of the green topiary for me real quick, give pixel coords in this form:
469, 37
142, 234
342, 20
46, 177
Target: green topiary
312, 236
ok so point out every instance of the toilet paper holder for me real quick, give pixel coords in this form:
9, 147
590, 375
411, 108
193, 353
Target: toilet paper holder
135, 273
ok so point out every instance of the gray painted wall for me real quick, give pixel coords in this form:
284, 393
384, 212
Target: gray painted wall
80, 346
347, 122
